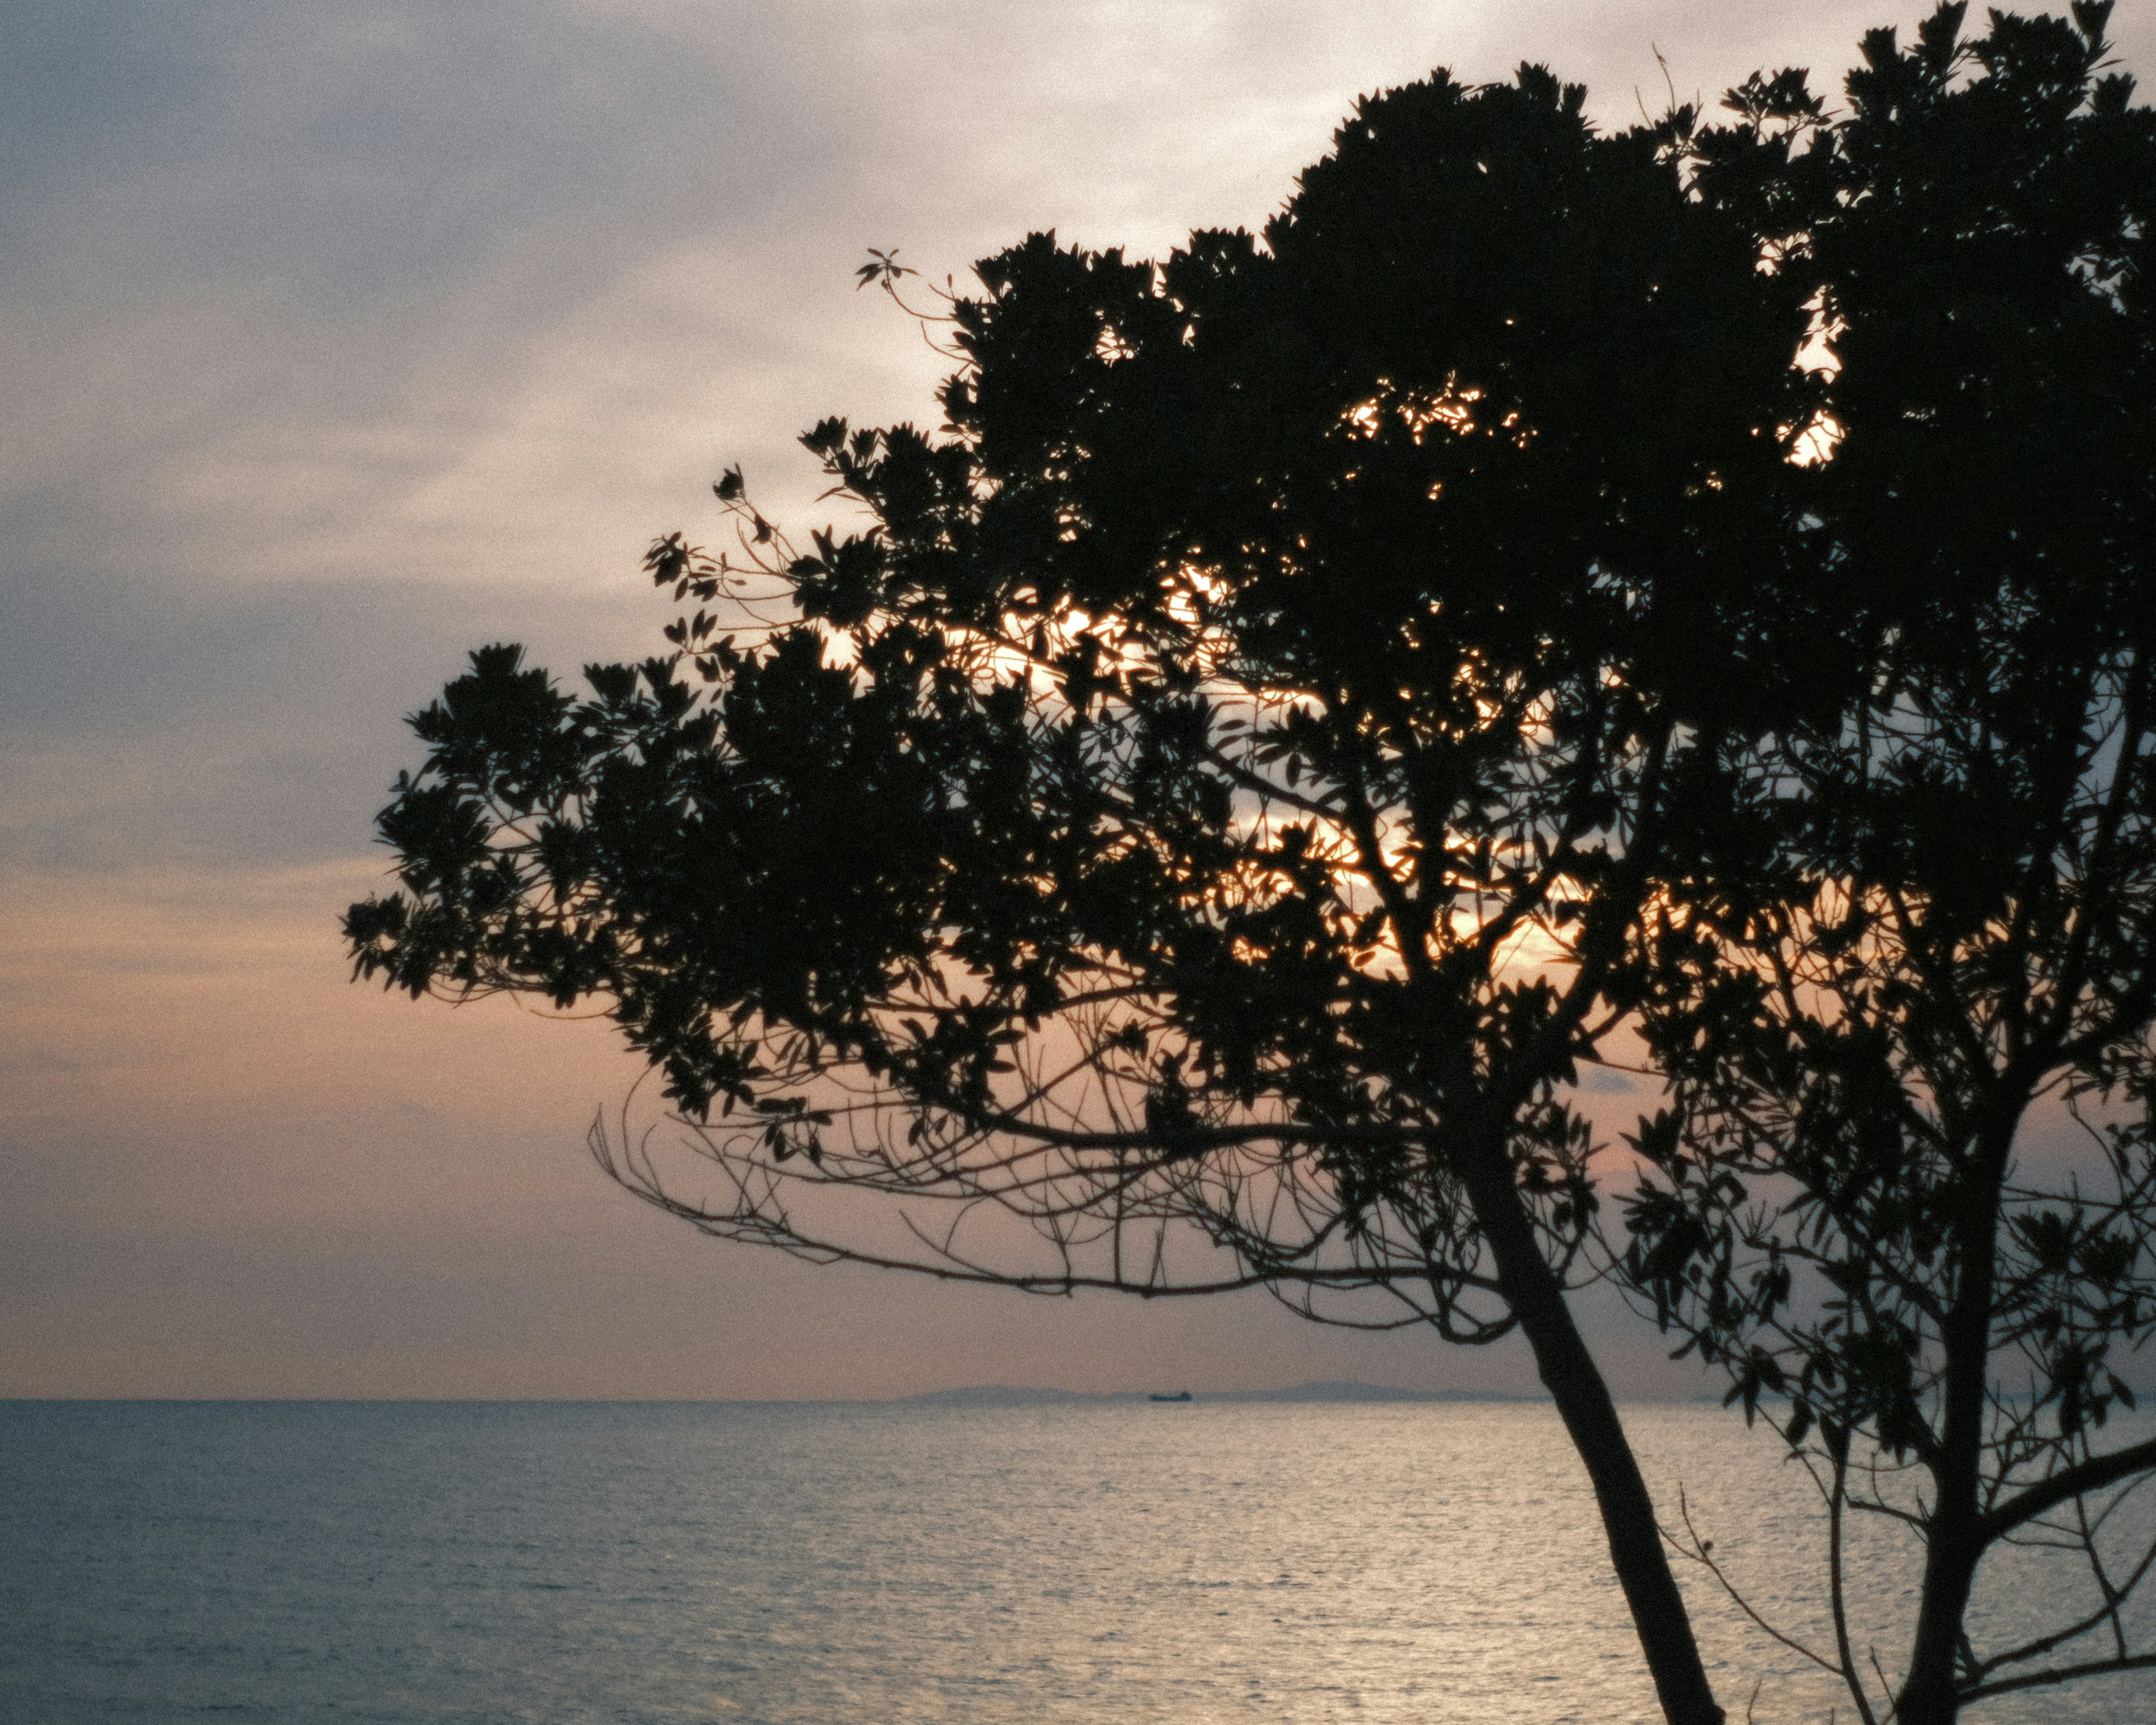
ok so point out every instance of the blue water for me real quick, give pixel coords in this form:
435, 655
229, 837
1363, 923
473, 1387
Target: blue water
431, 1563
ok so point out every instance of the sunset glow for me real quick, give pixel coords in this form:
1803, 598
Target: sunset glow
343, 342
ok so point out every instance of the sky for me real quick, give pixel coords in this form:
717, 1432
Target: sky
345, 337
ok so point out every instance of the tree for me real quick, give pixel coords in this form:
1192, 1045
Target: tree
1209, 796
1916, 929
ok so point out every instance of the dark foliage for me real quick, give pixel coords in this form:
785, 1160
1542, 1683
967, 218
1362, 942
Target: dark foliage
1212, 789
1922, 923
1312, 691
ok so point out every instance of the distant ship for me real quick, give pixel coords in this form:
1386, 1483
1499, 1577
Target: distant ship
1181, 1395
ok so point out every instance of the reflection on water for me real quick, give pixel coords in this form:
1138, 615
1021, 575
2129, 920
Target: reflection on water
1018, 1566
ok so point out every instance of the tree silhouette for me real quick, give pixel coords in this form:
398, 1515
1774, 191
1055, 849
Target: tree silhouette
1206, 800
1314, 691
1915, 925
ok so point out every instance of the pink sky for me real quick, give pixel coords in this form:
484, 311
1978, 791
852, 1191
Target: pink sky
338, 348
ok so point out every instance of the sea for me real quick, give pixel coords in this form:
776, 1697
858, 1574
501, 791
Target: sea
869, 1563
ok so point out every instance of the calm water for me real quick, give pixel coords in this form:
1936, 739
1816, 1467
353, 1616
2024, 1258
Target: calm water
440, 1562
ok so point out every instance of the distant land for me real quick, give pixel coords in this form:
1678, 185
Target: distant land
1007, 1395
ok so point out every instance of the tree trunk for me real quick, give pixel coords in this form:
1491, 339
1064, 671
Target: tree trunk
1953, 1545
1952, 1548
1928, 1696
1568, 1372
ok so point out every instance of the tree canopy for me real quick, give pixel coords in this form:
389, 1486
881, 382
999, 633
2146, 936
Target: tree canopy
1930, 919
1314, 691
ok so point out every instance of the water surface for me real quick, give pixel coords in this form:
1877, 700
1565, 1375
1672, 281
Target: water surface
422, 1563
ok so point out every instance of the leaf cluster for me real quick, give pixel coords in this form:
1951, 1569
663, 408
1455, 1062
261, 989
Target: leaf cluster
1245, 723
1917, 928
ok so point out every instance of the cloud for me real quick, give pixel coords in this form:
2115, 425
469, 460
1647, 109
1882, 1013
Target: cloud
304, 293
274, 266
365, 156
486, 293
240, 728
